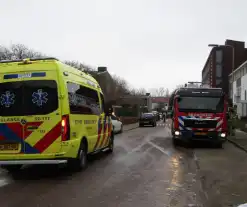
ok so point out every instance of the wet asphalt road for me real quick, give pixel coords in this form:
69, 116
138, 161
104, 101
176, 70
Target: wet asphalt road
145, 170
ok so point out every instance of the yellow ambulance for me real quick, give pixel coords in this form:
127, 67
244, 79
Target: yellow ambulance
50, 113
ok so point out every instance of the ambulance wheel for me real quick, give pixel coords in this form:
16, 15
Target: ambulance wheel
12, 168
80, 162
111, 144
218, 145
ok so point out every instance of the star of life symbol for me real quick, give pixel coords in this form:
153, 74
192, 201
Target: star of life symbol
7, 99
40, 97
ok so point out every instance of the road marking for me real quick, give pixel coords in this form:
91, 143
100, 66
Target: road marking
197, 169
164, 124
159, 148
4, 182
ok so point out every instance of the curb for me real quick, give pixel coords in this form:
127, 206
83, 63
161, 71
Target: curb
237, 145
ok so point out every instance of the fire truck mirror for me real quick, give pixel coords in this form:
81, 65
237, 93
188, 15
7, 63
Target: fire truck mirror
227, 115
171, 113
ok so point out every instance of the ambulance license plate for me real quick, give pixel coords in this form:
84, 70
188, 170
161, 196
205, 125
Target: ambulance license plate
200, 133
9, 147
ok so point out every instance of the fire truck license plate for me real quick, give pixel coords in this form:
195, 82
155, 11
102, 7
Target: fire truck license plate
200, 133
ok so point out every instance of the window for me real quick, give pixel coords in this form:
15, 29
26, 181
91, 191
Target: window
203, 104
218, 82
245, 95
238, 82
147, 115
242, 72
83, 100
219, 56
218, 71
24, 98
102, 102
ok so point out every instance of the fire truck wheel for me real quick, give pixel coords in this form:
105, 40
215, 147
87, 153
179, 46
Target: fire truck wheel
175, 142
218, 145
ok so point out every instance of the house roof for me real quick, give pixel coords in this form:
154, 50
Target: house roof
160, 99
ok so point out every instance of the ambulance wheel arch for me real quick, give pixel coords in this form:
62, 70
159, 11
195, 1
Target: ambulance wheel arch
80, 161
111, 143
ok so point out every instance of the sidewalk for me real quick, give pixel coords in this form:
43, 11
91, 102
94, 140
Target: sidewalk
240, 140
130, 126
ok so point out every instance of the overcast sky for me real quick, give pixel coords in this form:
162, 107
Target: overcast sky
150, 43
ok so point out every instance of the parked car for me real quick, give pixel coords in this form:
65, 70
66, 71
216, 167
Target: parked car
117, 124
147, 119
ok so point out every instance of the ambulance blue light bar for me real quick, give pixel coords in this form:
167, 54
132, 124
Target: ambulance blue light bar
25, 75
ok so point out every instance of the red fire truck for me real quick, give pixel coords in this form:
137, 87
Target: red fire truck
198, 114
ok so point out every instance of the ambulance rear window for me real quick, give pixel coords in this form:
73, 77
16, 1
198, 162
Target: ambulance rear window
38, 97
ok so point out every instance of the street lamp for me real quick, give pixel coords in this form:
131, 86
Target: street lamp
233, 52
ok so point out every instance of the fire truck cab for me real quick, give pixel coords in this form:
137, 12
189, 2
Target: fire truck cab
198, 113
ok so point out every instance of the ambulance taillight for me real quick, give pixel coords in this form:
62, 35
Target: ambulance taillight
65, 128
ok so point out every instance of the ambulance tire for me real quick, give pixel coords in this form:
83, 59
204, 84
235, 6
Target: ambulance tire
12, 168
80, 162
111, 144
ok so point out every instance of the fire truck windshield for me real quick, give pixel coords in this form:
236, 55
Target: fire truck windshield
203, 104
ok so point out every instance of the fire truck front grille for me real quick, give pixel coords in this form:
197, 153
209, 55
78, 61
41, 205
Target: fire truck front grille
200, 123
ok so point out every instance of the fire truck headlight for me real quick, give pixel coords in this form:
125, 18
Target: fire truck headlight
177, 133
223, 135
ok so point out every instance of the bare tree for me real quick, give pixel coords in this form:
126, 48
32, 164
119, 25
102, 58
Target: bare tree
167, 93
120, 87
81, 66
18, 51
139, 92
160, 92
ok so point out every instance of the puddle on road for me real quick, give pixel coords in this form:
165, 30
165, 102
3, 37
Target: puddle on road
4, 179
4, 182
